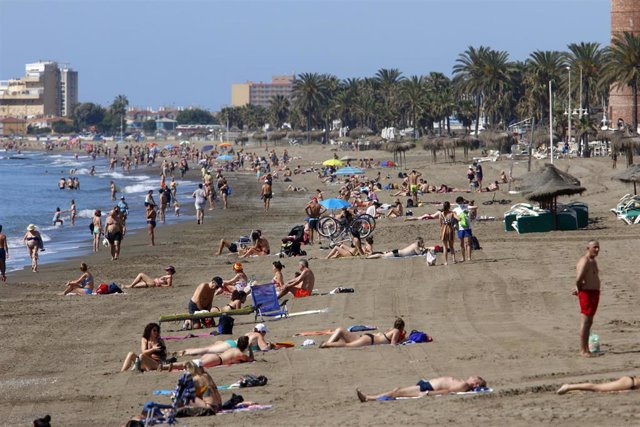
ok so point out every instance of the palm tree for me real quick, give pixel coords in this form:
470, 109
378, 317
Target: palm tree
309, 94
541, 68
388, 81
623, 67
589, 58
414, 93
279, 109
469, 71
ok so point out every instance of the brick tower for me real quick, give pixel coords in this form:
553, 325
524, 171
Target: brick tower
625, 16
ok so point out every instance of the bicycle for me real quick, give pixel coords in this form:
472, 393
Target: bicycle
493, 201
336, 230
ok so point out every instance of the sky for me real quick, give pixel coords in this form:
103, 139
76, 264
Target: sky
182, 53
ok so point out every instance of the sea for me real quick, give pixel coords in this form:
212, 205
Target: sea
29, 194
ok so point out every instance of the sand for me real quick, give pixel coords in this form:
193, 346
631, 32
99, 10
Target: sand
508, 316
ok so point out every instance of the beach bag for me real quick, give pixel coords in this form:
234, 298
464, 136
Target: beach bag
103, 289
225, 325
253, 381
410, 203
418, 336
475, 244
431, 258
114, 288
91, 226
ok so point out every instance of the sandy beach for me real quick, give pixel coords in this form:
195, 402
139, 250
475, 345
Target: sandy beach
508, 315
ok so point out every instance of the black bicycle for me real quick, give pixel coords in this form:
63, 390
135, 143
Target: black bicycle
493, 201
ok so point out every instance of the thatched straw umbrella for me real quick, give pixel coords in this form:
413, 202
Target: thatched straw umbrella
399, 150
625, 141
259, 136
358, 132
294, 134
277, 135
433, 144
242, 139
546, 184
313, 134
631, 174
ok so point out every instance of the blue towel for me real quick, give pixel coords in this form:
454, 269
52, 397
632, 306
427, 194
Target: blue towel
361, 328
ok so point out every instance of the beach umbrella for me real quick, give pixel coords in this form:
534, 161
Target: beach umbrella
184, 142
349, 170
225, 158
169, 147
387, 164
151, 144
335, 203
207, 148
348, 159
631, 174
225, 144
332, 162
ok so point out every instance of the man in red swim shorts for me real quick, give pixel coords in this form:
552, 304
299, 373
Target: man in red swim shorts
588, 292
301, 285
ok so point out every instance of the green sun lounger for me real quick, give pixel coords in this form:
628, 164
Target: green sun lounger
181, 317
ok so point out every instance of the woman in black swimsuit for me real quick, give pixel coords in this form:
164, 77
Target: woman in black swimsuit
622, 384
343, 338
151, 222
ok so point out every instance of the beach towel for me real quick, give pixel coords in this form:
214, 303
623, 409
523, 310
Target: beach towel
361, 328
314, 333
244, 407
180, 337
477, 390
302, 313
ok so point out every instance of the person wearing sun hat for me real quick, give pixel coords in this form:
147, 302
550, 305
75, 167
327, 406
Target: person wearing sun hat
237, 282
257, 339
143, 280
33, 240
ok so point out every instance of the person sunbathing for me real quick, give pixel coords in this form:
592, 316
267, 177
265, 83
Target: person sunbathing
207, 394
396, 210
143, 280
621, 384
260, 246
278, 278
355, 249
416, 248
256, 337
235, 354
343, 338
83, 285
237, 299
446, 189
493, 186
434, 387
153, 351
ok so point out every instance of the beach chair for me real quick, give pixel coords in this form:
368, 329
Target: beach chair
265, 302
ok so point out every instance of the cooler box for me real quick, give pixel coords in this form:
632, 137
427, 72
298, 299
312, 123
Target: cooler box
536, 224
567, 219
582, 211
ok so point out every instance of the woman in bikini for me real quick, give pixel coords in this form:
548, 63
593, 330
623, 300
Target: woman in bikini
151, 222
396, 210
207, 395
83, 285
257, 341
96, 229
278, 278
33, 240
234, 354
447, 231
153, 351
622, 384
343, 338
143, 280
237, 299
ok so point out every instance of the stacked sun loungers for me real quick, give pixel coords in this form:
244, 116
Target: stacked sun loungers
524, 218
628, 209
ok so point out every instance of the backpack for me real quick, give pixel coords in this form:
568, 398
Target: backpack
103, 289
114, 289
419, 336
410, 203
253, 381
225, 325
475, 244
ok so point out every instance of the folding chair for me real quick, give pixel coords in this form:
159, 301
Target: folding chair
265, 302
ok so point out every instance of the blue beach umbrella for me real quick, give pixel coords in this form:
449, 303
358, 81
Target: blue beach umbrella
225, 158
335, 203
349, 170
169, 147
207, 148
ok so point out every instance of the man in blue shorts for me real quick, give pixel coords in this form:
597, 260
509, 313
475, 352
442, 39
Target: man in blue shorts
436, 386
314, 210
464, 227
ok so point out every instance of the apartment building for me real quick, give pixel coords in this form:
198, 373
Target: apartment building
261, 93
44, 90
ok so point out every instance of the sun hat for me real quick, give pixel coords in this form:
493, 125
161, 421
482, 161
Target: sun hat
170, 268
261, 327
31, 227
237, 266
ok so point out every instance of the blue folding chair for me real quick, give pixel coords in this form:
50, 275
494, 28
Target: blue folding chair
265, 302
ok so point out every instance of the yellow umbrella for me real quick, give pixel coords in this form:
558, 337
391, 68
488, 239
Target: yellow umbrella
332, 162
225, 144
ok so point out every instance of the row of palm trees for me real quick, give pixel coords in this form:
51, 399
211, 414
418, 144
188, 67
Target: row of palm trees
485, 83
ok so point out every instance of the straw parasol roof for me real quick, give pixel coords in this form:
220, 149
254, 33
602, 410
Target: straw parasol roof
631, 174
294, 134
260, 136
276, 135
398, 147
358, 132
547, 183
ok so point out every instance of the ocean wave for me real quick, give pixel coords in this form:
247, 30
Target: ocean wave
118, 175
82, 171
85, 213
140, 188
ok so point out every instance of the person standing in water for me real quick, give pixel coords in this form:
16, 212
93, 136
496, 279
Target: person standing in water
4, 254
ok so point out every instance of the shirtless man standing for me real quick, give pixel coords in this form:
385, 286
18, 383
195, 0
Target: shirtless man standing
413, 185
434, 387
266, 193
114, 189
314, 210
4, 254
113, 232
416, 248
588, 292
202, 298
302, 285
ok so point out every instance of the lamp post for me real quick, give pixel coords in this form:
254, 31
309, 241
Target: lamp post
580, 106
569, 110
551, 119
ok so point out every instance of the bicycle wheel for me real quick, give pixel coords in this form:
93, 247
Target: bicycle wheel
505, 201
362, 226
328, 227
369, 218
489, 202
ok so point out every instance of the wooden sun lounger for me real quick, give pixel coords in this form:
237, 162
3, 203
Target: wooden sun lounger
181, 317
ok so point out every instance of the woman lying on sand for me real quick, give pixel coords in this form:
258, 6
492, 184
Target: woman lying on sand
233, 355
343, 338
143, 280
355, 249
153, 351
622, 384
257, 342
237, 299
83, 285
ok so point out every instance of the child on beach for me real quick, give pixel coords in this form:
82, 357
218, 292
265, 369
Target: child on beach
176, 207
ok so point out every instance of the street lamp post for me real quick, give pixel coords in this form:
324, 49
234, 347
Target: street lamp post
551, 119
580, 106
569, 110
